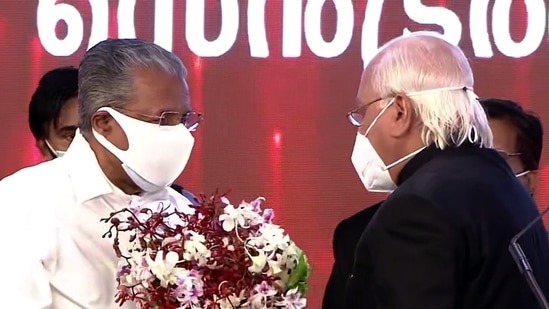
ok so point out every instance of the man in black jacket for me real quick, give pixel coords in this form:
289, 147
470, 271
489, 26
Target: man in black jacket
441, 239
518, 136
346, 236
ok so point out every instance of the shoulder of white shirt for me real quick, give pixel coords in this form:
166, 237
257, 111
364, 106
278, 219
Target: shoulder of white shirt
34, 181
30, 185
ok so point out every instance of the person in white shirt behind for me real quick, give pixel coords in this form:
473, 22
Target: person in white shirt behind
134, 140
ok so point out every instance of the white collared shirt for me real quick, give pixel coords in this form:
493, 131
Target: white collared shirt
52, 254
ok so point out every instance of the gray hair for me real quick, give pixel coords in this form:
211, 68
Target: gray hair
106, 74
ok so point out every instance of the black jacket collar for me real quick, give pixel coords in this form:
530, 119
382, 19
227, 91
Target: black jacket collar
432, 152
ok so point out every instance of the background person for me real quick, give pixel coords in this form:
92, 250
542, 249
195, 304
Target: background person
53, 111
518, 135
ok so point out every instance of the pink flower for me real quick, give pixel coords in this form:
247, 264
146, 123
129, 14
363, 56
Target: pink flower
293, 300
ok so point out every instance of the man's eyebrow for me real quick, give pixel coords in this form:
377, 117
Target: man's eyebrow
69, 128
169, 111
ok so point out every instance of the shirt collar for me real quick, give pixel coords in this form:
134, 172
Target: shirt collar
87, 177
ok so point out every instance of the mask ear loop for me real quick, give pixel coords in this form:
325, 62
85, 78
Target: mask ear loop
473, 134
51, 150
378, 115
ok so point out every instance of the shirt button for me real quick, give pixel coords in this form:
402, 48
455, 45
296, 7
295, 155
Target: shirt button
351, 276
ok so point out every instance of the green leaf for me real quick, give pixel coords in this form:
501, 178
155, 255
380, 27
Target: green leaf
299, 276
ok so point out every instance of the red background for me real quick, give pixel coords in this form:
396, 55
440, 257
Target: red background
274, 126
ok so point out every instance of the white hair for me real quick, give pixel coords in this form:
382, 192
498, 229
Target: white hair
423, 61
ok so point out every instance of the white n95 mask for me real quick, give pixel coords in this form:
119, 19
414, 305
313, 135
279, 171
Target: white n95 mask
156, 154
369, 166
56, 153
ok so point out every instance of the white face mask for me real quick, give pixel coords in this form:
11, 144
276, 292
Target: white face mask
156, 154
369, 166
56, 153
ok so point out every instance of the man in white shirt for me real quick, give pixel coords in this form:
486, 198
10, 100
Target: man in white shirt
133, 141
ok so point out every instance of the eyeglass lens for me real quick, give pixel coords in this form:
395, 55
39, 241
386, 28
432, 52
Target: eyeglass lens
190, 120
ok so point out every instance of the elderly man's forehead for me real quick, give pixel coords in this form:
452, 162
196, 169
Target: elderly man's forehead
422, 46
419, 39
366, 91
425, 50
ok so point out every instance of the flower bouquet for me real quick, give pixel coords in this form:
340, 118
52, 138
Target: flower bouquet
219, 257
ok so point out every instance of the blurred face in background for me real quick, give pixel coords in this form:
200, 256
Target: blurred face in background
53, 111
505, 141
60, 131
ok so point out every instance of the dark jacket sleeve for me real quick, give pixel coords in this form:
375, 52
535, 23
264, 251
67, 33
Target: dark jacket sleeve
187, 194
415, 256
335, 288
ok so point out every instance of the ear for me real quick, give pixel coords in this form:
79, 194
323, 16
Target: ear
403, 115
532, 180
44, 150
102, 123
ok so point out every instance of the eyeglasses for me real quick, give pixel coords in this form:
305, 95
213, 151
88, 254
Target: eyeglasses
356, 117
191, 120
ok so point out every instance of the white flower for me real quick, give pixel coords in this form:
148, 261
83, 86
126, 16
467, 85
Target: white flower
140, 272
291, 249
270, 238
289, 257
231, 218
245, 215
258, 262
274, 267
164, 268
195, 249
251, 214
230, 302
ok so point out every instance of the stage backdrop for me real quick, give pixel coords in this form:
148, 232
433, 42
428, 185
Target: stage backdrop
275, 79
